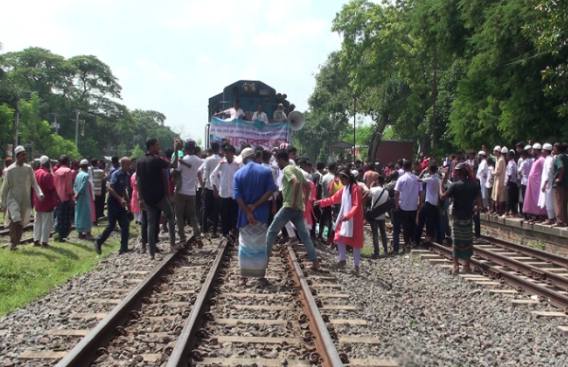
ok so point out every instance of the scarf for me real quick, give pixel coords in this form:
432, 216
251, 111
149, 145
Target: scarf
346, 226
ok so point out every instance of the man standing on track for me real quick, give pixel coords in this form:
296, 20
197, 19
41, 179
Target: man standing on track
15, 195
253, 186
465, 193
63, 179
152, 189
406, 198
210, 202
185, 196
117, 207
44, 208
295, 189
222, 181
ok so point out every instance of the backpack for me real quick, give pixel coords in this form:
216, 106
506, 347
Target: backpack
375, 211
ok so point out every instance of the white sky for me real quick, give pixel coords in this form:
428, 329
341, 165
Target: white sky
172, 55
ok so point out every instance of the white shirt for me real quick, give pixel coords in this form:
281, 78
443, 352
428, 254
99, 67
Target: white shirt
489, 182
234, 113
511, 172
279, 115
482, 172
207, 167
260, 116
409, 188
524, 170
376, 194
189, 174
432, 189
222, 177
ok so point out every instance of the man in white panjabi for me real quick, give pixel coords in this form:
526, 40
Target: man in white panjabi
15, 195
545, 197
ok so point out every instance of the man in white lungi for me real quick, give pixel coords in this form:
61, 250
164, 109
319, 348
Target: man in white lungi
15, 196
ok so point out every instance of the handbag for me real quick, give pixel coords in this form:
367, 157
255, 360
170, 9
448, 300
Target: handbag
374, 212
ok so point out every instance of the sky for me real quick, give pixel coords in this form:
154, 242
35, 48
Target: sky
172, 55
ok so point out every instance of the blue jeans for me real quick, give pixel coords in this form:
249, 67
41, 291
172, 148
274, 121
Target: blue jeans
120, 216
295, 216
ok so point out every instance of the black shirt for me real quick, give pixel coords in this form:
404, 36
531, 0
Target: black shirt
150, 175
464, 194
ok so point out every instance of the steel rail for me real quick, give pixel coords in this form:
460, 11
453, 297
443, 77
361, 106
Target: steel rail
556, 298
324, 343
536, 253
85, 352
527, 269
181, 353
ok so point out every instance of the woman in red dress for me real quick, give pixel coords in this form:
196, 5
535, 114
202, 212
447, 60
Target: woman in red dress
349, 224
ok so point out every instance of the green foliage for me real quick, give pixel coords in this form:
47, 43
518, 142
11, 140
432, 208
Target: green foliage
454, 73
31, 272
58, 89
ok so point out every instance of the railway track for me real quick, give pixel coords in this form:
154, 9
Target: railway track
537, 272
193, 309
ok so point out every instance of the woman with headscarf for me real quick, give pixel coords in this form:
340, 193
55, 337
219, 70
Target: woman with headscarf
349, 224
530, 204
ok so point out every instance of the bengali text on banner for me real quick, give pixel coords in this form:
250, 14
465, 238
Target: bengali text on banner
256, 133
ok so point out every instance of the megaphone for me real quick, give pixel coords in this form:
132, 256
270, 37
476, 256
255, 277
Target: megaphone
296, 120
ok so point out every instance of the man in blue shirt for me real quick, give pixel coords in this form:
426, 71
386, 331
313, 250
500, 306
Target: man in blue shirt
253, 185
117, 207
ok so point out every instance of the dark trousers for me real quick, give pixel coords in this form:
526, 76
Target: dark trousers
512, 197
477, 224
210, 211
99, 206
408, 223
326, 219
376, 226
153, 212
64, 213
120, 216
523, 191
229, 212
144, 228
430, 216
395, 219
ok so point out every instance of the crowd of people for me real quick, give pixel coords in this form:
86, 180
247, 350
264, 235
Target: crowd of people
256, 197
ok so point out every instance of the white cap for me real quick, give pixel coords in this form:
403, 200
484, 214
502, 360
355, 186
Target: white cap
527, 147
84, 162
497, 148
355, 173
504, 150
537, 146
246, 153
481, 152
43, 159
19, 149
547, 146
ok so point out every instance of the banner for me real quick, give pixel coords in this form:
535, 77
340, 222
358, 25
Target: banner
256, 133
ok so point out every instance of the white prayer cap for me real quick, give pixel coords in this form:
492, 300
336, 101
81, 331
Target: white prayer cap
84, 162
481, 152
504, 150
527, 147
19, 149
43, 159
547, 146
497, 148
247, 153
537, 146
355, 173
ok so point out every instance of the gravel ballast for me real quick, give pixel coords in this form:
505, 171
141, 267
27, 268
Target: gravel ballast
432, 318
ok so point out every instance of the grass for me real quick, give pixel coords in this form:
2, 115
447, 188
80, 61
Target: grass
31, 272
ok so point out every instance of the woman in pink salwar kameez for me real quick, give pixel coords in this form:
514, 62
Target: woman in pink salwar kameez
530, 205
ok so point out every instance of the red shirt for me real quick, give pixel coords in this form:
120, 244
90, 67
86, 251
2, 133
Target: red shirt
63, 179
44, 179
